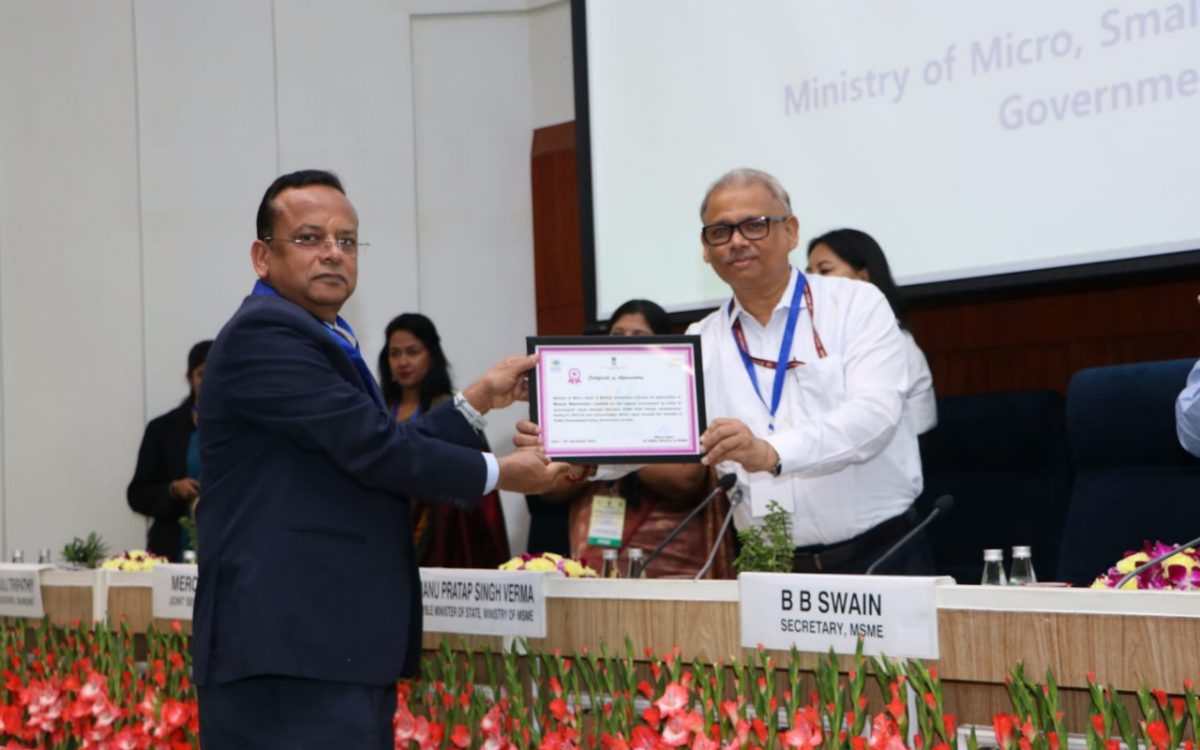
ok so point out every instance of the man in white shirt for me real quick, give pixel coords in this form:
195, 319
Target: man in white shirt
805, 377
823, 434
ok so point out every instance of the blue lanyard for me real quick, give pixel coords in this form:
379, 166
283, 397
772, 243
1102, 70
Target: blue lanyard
785, 350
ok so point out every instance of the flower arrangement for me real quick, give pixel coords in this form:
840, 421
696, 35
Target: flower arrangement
550, 701
1179, 572
81, 687
134, 560
549, 562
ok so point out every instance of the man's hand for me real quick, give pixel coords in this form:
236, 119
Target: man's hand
184, 489
529, 435
528, 472
731, 440
501, 385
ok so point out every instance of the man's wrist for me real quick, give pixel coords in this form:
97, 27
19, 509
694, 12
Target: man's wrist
467, 407
772, 460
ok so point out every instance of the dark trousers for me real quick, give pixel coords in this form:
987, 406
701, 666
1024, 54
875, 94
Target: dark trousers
858, 554
273, 713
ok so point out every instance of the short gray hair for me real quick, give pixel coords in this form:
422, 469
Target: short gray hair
747, 176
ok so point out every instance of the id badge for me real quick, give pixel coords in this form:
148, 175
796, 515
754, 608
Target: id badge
607, 522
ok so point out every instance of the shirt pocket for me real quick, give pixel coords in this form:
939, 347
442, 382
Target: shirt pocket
821, 385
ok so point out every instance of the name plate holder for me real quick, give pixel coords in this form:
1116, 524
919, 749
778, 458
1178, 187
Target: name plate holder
484, 602
173, 590
21, 590
893, 615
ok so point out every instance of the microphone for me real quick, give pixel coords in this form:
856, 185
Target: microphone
1155, 561
734, 499
724, 484
942, 505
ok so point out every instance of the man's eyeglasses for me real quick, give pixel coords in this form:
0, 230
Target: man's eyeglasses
754, 228
348, 245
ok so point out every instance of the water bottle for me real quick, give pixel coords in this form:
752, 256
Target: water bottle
1021, 571
608, 565
993, 568
45, 556
636, 560
189, 556
18, 556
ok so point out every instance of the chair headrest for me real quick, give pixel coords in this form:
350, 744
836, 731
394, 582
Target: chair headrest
1124, 415
996, 431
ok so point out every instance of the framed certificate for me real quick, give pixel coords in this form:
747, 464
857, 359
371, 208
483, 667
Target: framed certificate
618, 399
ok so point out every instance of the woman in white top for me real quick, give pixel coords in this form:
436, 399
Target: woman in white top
856, 255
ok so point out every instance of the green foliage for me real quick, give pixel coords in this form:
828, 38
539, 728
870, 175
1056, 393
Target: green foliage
86, 552
767, 548
189, 527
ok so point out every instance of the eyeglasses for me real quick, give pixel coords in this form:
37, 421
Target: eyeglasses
348, 245
754, 228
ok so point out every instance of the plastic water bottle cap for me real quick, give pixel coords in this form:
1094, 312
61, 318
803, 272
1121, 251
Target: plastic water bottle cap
993, 555
1021, 551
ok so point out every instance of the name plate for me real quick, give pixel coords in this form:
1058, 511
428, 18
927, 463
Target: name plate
484, 602
893, 615
174, 590
21, 590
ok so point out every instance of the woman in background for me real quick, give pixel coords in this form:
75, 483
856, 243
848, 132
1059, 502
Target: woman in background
656, 497
166, 481
852, 254
415, 377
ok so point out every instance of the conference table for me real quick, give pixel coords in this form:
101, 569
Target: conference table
1128, 639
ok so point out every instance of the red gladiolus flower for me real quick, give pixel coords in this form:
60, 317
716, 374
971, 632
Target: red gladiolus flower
1098, 725
1003, 726
703, 742
652, 716
805, 731
1052, 738
951, 725
759, 729
858, 743
885, 734
1158, 734
460, 737
1027, 730
644, 738
930, 700
555, 686
896, 707
1024, 744
645, 689
730, 710
1112, 745
558, 709
1160, 695
1177, 708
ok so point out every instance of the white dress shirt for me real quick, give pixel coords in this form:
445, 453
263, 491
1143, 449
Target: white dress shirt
849, 454
920, 401
1187, 413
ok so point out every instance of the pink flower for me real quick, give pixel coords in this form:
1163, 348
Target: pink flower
805, 731
674, 699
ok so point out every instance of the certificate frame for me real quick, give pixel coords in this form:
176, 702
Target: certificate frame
543, 383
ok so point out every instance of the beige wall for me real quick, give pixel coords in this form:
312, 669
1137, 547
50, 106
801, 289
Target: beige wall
136, 138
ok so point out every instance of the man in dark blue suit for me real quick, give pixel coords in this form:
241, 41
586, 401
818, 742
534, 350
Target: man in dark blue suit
308, 608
